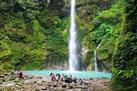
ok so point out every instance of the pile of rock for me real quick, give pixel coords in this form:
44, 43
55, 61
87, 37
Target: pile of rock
9, 82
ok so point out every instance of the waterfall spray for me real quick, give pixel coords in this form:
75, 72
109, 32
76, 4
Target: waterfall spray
73, 57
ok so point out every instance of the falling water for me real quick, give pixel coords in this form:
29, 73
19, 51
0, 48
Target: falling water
48, 1
95, 59
73, 58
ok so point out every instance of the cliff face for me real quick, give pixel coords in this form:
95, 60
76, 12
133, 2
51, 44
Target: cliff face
124, 61
99, 22
34, 34
31, 34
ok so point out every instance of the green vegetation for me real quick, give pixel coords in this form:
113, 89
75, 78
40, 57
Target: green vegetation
34, 35
31, 34
104, 28
125, 64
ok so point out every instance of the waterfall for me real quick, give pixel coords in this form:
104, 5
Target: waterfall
73, 57
95, 58
48, 1
95, 61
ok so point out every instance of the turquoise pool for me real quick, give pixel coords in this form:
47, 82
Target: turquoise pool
78, 74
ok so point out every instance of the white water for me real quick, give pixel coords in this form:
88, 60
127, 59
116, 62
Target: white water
95, 58
73, 57
48, 1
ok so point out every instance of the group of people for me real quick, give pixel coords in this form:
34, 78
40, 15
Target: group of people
60, 78
54, 77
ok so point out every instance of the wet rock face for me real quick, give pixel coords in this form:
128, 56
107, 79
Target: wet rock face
29, 83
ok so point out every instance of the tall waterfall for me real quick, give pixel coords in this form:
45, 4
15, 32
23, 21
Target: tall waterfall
95, 58
73, 57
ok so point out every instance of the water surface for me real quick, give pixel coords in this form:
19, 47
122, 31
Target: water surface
78, 74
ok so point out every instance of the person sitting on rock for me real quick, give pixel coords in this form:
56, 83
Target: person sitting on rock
62, 78
53, 78
75, 80
65, 76
68, 80
71, 76
58, 77
80, 81
19, 74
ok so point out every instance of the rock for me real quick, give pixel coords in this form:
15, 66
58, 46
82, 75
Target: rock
3, 80
90, 89
72, 90
6, 74
39, 77
49, 84
90, 78
23, 90
64, 86
39, 84
35, 82
37, 90
30, 77
54, 85
2, 76
83, 87
44, 88
31, 83
70, 86
12, 78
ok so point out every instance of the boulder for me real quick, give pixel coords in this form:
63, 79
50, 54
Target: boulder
64, 86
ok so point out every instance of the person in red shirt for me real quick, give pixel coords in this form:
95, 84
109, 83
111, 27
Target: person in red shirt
53, 77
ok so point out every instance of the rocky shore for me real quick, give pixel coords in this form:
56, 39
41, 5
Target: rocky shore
9, 82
